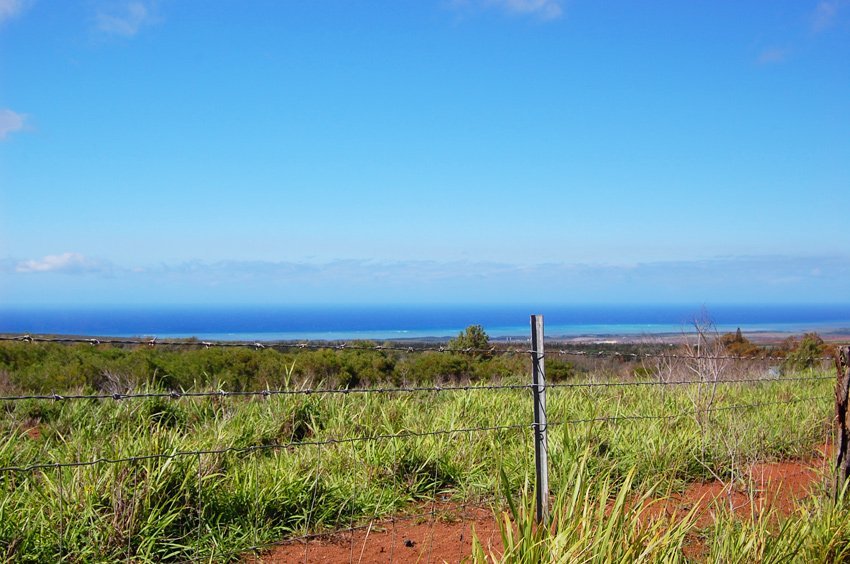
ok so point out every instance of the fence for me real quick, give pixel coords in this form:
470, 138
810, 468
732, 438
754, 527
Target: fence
422, 477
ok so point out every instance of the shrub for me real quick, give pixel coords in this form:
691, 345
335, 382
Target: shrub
474, 338
738, 345
806, 353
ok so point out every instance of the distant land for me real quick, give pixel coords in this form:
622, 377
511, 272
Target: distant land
763, 323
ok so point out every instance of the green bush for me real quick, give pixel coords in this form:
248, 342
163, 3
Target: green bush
433, 367
806, 353
474, 339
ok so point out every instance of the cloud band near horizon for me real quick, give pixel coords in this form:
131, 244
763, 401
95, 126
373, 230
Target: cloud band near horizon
71, 277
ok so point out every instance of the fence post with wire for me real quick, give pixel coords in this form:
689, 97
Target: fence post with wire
541, 443
842, 398
422, 456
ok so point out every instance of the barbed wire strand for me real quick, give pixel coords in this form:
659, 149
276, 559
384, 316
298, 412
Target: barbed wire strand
463, 506
637, 383
199, 453
477, 503
388, 436
174, 394
353, 440
685, 413
252, 448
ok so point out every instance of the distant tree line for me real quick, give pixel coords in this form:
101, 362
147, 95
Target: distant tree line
54, 367
797, 353
468, 358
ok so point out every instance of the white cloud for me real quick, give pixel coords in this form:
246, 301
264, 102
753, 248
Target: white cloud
546, 9
126, 18
66, 262
826, 13
10, 122
543, 9
772, 55
785, 279
9, 9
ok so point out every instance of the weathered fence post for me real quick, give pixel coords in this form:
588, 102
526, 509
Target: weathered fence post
842, 389
541, 446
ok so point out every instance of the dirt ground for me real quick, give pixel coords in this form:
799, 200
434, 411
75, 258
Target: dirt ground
447, 537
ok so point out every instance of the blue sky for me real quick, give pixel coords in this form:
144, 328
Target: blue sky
424, 151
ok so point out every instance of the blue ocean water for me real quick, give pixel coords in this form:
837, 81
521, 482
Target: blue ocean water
411, 321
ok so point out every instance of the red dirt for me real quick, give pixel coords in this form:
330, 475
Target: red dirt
770, 486
445, 538
33, 432
448, 537
777, 486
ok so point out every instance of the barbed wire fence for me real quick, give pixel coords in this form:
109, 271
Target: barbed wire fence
534, 430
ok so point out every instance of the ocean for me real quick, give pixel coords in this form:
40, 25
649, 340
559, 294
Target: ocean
349, 322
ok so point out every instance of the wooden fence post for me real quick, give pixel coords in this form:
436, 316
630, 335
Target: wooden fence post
842, 389
541, 446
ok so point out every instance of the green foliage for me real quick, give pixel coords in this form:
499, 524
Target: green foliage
559, 370
472, 339
160, 411
149, 510
805, 353
431, 367
49, 367
595, 518
818, 531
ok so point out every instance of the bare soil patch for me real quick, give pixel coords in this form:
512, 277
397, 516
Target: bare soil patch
447, 536
776, 486
768, 486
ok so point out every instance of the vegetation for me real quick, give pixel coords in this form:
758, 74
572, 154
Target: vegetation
290, 470
805, 353
52, 367
472, 340
738, 345
596, 518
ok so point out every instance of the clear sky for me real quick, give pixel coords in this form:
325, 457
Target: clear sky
189, 151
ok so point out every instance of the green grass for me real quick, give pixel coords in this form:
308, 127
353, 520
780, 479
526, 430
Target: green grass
596, 518
214, 506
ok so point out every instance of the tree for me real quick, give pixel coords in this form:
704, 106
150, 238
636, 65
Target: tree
473, 339
738, 345
806, 353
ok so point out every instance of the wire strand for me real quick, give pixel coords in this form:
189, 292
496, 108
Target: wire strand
686, 413
252, 448
394, 390
266, 393
388, 436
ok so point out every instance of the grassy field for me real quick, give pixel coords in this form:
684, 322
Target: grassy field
311, 462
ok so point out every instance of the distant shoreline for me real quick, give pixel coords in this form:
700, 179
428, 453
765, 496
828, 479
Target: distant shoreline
430, 323
759, 337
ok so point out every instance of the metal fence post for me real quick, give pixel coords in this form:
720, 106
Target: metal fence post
541, 447
842, 398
